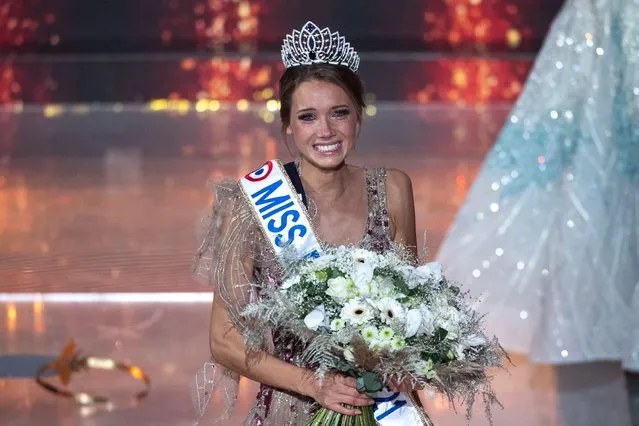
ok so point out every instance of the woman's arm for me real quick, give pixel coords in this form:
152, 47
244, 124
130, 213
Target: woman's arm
228, 349
401, 207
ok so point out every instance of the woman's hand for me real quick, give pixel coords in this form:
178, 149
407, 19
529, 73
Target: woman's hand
335, 391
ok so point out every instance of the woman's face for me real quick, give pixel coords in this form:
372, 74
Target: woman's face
323, 123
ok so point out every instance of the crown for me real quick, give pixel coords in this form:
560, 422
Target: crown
313, 45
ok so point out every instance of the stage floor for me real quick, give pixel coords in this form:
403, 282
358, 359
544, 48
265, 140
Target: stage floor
99, 208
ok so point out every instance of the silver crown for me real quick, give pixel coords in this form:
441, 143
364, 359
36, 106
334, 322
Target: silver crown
313, 45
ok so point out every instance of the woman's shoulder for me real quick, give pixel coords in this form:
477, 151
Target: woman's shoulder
399, 188
397, 179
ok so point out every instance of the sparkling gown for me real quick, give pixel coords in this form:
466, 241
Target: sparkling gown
230, 235
548, 235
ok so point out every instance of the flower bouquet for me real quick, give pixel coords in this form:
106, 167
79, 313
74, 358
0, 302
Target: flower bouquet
379, 319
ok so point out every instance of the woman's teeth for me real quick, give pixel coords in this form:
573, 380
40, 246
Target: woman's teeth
327, 148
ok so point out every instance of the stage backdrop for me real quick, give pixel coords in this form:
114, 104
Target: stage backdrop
73, 51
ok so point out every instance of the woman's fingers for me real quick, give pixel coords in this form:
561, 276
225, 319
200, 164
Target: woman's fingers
344, 410
359, 401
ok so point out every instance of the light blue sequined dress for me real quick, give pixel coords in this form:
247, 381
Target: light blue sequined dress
549, 233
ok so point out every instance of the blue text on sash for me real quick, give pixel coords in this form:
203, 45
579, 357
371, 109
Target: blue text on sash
283, 211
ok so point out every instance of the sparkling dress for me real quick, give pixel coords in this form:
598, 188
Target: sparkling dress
230, 235
548, 234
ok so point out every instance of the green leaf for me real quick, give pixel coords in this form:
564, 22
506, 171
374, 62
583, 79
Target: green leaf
401, 286
369, 383
440, 334
343, 366
435, 357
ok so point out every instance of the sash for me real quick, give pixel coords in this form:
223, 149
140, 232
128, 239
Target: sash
279, 211
278, 200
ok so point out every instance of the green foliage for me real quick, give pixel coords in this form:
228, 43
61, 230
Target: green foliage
369, 383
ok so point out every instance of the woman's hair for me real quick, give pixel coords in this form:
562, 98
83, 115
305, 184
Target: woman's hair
339, 75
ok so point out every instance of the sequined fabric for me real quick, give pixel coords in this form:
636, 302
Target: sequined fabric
548, 235
231, 235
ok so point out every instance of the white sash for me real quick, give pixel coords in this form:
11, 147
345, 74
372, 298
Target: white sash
279, 210
284, 221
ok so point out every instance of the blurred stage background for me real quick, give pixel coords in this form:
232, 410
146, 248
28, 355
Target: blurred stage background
113, 116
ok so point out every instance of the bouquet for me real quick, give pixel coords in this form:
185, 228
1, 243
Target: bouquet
378, 318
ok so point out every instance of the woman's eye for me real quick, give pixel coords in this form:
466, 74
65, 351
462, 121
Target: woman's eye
305, 117
342, 112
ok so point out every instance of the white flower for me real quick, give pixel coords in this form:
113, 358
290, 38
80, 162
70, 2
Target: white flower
337, 324
413, 322
356, 312
449, 319
364, 256
376, 345
316, 318
364, 263
340, 288
397, 343
473, 340
434, 270
386, 334
390, 310
370, 333
362, 276
466, 342
427, 325
429, 272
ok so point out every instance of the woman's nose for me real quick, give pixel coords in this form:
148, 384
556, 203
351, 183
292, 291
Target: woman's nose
325, 129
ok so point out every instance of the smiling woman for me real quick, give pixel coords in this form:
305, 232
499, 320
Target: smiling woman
321, 99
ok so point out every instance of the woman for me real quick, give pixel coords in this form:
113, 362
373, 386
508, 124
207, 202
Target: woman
321, 112
549, 233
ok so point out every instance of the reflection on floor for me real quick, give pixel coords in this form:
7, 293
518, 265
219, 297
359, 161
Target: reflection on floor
97, 247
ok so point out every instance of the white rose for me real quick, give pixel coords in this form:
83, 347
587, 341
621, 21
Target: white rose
427, 325
362, 276
413, 322
449, 319
316, 318
431, 271
338, 288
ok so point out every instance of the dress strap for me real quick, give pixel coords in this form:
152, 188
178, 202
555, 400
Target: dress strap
378, 219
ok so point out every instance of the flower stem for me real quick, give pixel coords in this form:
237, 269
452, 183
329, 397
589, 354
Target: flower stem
326, 417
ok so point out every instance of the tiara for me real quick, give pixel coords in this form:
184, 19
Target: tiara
313, 45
